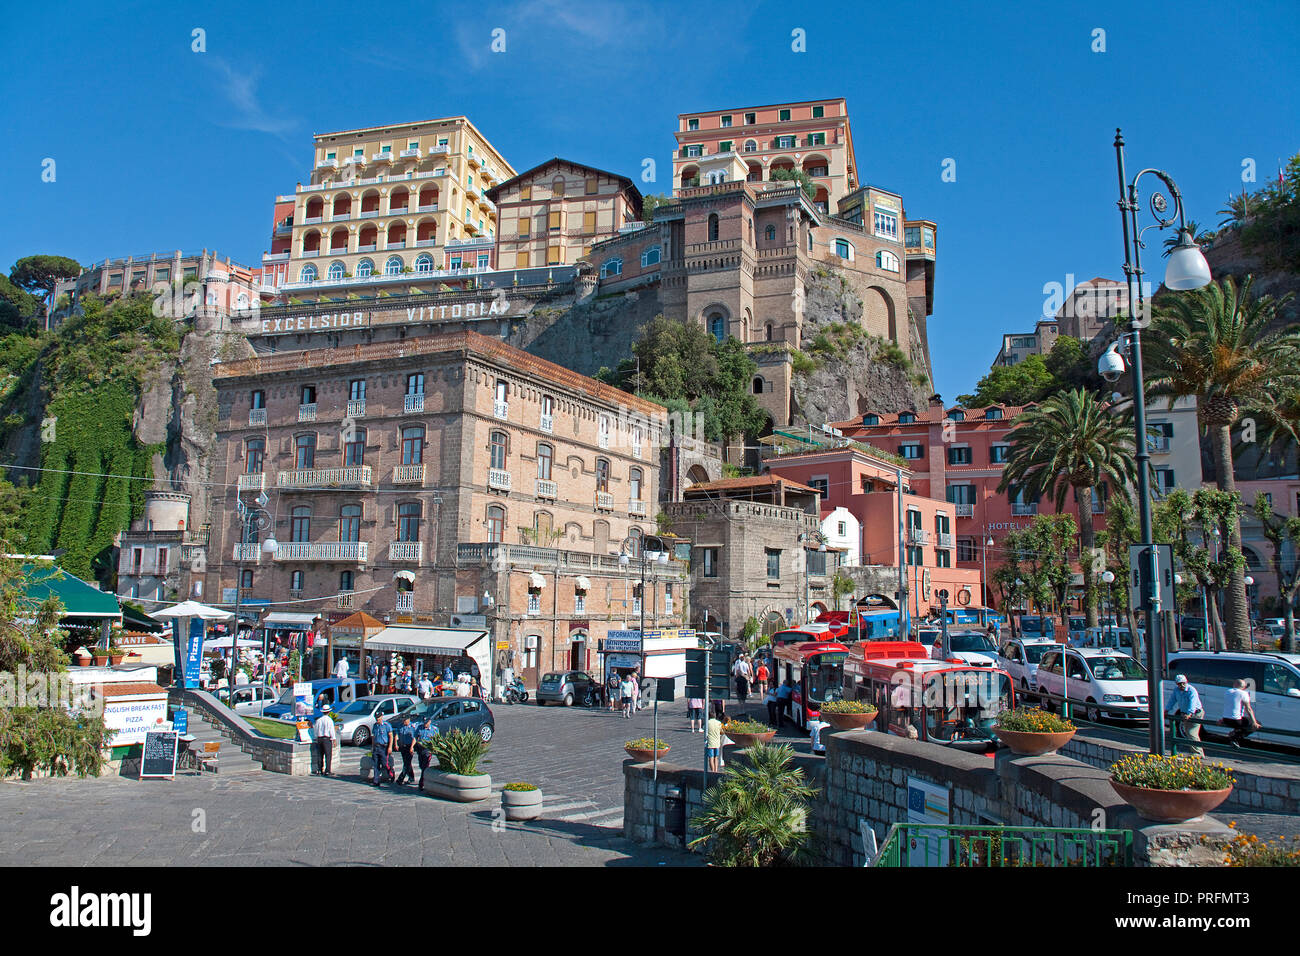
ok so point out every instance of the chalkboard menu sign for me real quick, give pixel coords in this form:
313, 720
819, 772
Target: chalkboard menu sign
159, 758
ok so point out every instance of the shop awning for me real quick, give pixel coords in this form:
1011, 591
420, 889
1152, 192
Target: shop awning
582, 584
536, 581
425, 640
79, 599
158, 655
135, 620
407, 576
290, 620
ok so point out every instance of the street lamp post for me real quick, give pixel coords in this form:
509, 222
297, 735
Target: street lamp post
646, 545
1250, 611
984, 576
1108, 578
252, 521
1187, 270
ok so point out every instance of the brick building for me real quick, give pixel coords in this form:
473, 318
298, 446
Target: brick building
411, 478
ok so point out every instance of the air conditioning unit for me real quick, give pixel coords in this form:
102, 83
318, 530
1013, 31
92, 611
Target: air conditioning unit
530, 642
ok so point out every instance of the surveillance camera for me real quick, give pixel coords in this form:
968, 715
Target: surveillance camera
1111, 364
1116, 397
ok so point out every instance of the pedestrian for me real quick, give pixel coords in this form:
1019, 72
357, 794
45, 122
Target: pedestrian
784, 695
773, 707
425, 686
423, 747
341, 668
626, 689
1185, 703
1238, 713
713, 737
636, 691
447, 674
695, 708
740, 670
406, 744
372, 678
613, 690
760, 678
381, 745
325, 735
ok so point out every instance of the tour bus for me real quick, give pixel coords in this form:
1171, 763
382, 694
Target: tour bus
973, 617
943, 702
815, 670
866, 623
814, 631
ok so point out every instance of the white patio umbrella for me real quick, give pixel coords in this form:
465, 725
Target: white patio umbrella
223, 643
187, 609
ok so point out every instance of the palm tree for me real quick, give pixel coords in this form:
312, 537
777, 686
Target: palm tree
1202, 238
1236, 212
1213, 344
1073, 440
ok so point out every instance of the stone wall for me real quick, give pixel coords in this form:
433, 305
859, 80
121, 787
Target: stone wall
279, 756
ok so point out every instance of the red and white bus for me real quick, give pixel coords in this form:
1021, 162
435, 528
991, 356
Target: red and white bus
943, 702
815, 670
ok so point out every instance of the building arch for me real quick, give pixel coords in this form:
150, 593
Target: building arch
696, 475
399, 200
337, 271
370, 201
315, 208
878, 313
426, 230
311, 241
396, 234
341, 206
690, 176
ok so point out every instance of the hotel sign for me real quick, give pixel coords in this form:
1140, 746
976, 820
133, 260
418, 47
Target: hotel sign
481, 308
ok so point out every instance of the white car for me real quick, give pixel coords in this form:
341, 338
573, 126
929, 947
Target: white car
1108, 684
356, 720
1274, 688
250, 698
1020, 659
969, 647
1114, 638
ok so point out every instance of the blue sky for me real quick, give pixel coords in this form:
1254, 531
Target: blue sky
158, 147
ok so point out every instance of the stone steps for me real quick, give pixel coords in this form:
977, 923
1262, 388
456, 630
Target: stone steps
232, 760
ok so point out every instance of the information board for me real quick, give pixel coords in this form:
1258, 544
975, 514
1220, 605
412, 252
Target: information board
159, 757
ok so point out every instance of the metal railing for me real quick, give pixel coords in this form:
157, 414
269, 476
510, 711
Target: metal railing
408, 474
636, 507
356, 408
546, 489
501, 410
257, 416
406, 551
251, 553
356, 475
605, 500
1028, 508
547, 423
918, 536
405, 601
499, 479
307, 413
255, 482
413, 402
964, 510
926, 844
349, 551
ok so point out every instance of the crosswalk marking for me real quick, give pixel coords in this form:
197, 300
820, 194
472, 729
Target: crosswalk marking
571, 805
591, 816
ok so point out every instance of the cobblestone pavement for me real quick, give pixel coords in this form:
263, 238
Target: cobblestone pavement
575, 755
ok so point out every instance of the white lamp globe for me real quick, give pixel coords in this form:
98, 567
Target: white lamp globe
1187, 267
270, 546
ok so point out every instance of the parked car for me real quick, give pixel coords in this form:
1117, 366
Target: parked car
1020, 659
970, 647
356, 720
250, 698
1274, 689
1107, 683
1078, 626
1032, 625
928, 636
564, 687
335, 689
1115, 638
456, 713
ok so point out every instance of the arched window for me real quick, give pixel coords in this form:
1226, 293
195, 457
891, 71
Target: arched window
602, 474
770, 233
886, 260
304, 451
634, 542
424, 263
717, 326
335, 272
496, 523
751, 146
308, 274
242, 301
758, 385
365, 269
254, 456
412, 444
611, 267
408, 522
844, 249
300, 524
713, 227
350, 523
634, 484
545, 456
499, 445
393, 267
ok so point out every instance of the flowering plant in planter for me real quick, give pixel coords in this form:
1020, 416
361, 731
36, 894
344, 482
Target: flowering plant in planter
519, 787
646, 743
1032, 720
1162, 772
745, 727
848, 707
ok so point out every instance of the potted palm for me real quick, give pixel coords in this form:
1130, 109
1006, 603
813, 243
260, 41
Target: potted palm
1170, 789
645, 749
757, 813
746, 733
1031, 732
521, 801
457, 777
848, 714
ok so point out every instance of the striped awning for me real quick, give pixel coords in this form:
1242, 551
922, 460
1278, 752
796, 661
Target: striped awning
582, 583
536, 581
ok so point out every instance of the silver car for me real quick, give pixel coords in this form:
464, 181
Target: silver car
356, 720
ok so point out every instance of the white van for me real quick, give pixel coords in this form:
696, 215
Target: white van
1274, 688
1115, 638
1107, 683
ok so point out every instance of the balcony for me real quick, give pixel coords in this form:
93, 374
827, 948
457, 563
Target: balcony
368, 214
964, 509
357, 476
547, 423
918, 536
413, 403
604, 501
248, 553
357, 408
1029, 508
275, 257
327, 164
252, 482
473, 160
345, 601
498, 479
425, 243
355, 161
602, 438
501, 410
942, 539
307, 413
636, 450
405, 602
546, 489
406, 551
427, 207
443, 150
636, 507
369, 247
409, 154
408, 475
1159, 446
349, 552
396, 245
340, 217
382, 157
257, 416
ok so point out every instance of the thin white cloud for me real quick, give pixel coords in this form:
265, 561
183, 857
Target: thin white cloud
246, 110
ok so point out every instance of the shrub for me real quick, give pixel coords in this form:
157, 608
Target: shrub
745, 727
756, 815
1032, 720
459, 751
848, 707
1160, 772
519, 787
646, 743
1246, 849
801, 363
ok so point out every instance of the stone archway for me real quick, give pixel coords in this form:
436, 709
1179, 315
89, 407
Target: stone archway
878, 313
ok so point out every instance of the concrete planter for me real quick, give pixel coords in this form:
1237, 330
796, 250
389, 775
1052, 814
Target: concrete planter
745, 741
645, 756
1170, 806
463, 788
1027, 743
521, 804
849, 721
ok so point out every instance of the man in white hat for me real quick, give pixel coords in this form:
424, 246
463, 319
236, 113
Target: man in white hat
325, 734
1185, 703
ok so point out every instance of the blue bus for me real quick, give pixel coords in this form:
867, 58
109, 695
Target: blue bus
881, 624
